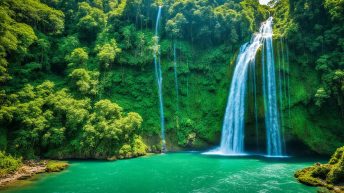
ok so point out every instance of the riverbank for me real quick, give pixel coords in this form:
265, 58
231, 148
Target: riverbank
31, 168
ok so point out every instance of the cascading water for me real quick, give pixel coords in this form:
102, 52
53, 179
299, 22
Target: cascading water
273, 135
232, 141
158, 75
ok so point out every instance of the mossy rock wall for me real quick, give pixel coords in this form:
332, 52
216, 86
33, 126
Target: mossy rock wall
204, 79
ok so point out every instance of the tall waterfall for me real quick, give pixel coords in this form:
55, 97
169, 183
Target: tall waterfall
232, 141
273, 135
158, 74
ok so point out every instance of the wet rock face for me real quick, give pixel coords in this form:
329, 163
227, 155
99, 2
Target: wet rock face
330, 175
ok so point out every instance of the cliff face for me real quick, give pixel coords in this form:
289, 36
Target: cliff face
204, 79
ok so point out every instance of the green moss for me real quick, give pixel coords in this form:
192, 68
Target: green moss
321, 171
337, 156
327, 175
56, 166
309, 129
203, 89
336, 174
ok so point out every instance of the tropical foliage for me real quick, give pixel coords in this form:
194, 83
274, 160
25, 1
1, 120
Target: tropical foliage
73, 73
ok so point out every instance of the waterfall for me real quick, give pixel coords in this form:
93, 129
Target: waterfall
158, 75
232, 139
273, 134
176, 75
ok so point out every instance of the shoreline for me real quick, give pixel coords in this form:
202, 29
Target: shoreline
31, 168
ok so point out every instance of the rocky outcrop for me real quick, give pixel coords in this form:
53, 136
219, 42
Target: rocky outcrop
31, 168
330, 175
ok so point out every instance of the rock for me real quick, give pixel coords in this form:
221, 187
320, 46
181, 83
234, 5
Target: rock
31, 168
336, 174
330, 175
24, 176
337, 189
112, 158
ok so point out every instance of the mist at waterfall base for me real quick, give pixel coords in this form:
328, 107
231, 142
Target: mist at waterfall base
233, 128
158, 76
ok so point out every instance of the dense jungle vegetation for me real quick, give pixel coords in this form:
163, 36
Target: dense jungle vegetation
77, 77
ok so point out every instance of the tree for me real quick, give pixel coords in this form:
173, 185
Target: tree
42, 118
108, 127
90, 20
43, 46
17, 20
128, 33
36, 14
86, 82
117, 8
175, 25
107, 53
65, 47
78, 58
336, 9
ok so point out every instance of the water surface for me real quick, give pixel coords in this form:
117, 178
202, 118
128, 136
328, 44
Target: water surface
172, 173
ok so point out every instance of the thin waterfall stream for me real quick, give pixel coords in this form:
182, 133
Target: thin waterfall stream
158, 75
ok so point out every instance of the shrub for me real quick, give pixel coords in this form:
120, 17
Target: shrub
56, 166
8, 164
